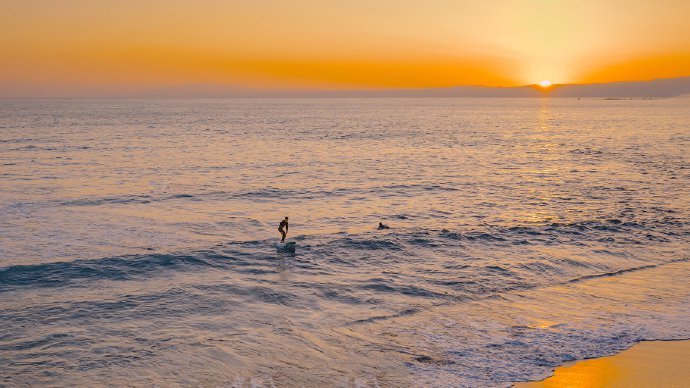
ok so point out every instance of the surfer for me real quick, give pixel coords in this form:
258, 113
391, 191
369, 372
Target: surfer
283, 224
382, 226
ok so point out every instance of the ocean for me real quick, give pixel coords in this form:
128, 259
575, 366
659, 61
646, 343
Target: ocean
138, 239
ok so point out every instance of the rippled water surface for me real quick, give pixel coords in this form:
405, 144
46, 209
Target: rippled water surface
137, 239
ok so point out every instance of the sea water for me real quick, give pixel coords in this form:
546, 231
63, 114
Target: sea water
138, 239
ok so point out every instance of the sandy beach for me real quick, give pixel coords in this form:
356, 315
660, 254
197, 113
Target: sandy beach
647, 364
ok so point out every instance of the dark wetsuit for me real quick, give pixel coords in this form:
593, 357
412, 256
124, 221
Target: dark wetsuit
283, 224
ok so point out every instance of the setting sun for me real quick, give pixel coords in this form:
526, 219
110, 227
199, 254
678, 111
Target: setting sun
545, 83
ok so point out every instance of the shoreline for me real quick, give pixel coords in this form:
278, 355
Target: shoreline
655, 363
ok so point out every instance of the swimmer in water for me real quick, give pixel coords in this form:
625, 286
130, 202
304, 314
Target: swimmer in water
382, 226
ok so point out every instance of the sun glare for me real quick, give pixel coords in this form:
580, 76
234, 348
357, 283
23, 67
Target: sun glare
545, 83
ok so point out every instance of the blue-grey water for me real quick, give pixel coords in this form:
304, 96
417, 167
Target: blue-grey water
137, 239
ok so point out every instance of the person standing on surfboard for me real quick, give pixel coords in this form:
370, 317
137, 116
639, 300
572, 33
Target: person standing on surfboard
283, 224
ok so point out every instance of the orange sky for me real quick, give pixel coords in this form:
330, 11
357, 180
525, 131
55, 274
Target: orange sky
54, 48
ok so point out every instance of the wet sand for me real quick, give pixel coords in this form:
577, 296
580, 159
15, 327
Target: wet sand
647, 364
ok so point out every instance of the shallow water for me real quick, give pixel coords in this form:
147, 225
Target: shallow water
137, 238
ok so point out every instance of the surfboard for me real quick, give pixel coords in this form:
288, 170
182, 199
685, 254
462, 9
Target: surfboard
286, 247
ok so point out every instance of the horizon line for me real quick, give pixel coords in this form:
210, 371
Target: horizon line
315, 93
